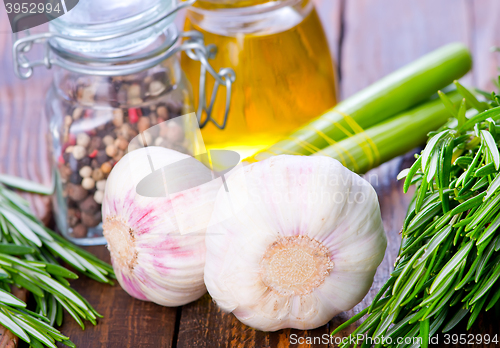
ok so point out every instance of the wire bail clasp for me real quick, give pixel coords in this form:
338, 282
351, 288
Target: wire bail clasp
196, 50
193, 45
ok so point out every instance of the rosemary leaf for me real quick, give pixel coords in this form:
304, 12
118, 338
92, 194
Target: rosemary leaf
29, 254
449, 261
25, 185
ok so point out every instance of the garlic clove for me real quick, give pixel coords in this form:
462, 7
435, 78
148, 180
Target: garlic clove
304, 248
152, 260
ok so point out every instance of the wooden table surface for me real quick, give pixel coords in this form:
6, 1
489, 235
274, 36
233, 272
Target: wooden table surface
368, 39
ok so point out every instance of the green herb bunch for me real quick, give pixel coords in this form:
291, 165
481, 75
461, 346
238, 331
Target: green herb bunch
29, 254
448, 266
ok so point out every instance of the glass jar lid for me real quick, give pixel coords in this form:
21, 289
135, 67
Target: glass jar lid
112, 18
119, 38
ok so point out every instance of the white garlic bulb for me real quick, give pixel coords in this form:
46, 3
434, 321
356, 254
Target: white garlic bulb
304, 248
152, 259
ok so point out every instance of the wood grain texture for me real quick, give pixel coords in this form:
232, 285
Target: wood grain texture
330, 13
127, 322
369, 39
202, 324
485, 35
7, 338
23, 128
382, 36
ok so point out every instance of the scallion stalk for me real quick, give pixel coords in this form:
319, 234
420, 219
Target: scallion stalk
391, 138
389, 96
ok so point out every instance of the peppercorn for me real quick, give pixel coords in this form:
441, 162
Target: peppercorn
143, 124
88, 183
78, 152
106, 167
162, 112
111, 150
96, 144
117, 117
85, 172
156, 88
97, 174
83, 139
76, 192
89, 205
99, 196
79, 231
121, 143
77, 113
91, 220
134, 91
100, 185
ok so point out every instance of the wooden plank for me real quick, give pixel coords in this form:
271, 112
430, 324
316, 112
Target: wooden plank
24, 129
483, 16
382, 36
202, 324
127, 322
23, 147
330, 13
7, 338
485, 35
393, 206
379, 37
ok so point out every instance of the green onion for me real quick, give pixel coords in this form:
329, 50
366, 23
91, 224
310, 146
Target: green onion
389, 96
391, 138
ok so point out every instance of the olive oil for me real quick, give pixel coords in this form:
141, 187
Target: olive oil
284, 78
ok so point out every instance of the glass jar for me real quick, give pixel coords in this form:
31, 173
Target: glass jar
116, 75
92, 120
280, 54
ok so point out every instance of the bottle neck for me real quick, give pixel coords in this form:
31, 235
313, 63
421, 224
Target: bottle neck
228, 4
259, 17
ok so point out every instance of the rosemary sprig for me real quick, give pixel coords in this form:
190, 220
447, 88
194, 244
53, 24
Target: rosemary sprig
448, 267
29, 254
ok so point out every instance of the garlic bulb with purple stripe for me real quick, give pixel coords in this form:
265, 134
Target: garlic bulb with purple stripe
152, 258
304, 248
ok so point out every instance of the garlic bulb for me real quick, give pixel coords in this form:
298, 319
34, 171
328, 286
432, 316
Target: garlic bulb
152, 259
305, 247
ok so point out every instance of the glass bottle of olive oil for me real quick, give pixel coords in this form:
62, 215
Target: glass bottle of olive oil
284, 71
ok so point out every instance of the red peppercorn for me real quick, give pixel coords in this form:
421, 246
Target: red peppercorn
71, 139
133, 117
93, 154
61, 159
